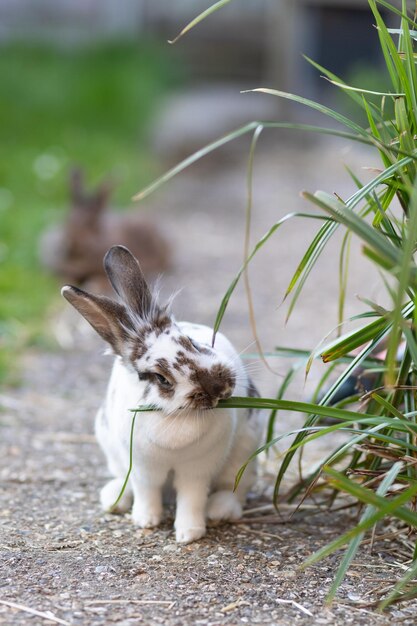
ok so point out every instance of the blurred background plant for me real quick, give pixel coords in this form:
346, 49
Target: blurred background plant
89, 105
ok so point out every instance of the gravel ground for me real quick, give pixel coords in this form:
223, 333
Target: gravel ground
62, 557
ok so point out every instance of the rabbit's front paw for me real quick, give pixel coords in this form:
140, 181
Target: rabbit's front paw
223, 506
110, 493
146, 517
188, 535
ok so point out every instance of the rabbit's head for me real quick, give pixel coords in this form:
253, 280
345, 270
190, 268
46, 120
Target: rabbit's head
174, 371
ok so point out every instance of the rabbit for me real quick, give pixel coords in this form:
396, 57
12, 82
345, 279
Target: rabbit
172, 366
75, 249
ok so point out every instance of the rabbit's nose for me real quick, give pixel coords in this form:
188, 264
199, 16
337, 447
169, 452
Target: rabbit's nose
216, 383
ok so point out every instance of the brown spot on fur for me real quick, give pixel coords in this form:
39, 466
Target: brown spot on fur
212, 384
163, 365
146, 330
138, 350
161, 323
182, 360
186, 343
192, 346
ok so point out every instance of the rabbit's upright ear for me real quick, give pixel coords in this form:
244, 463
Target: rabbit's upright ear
100, 198
128, 281
108, 318
76, 186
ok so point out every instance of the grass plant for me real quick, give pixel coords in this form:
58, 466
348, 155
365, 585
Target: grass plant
377, 465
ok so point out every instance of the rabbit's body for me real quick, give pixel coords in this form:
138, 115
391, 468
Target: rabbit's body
188, 440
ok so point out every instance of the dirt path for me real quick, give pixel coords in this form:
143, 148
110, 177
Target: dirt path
62, 557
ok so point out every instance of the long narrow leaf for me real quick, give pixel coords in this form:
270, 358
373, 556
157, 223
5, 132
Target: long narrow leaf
258, 246
243, 130
383, 508
395, 594
342, 119
349, 218
202, 16
356, 541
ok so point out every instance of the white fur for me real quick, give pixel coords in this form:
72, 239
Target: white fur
202, 449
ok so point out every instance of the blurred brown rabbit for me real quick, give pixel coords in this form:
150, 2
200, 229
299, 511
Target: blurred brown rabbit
74, 250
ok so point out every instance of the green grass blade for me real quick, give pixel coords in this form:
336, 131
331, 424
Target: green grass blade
314, 248
383, 507
202, 16
352, 340
397, 11
351, 220
354, 544
397, 70
309, 408
362, 90
406, 267
258, 246
243, 130
385, 40
387, 405
395, 594
280, 394
382, 178
343, 275
409, 59
328, 229
341, 119
129, 471
333, 77
364, 354
196, 156
411, 342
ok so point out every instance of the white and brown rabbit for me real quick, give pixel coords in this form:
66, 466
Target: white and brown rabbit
172, 366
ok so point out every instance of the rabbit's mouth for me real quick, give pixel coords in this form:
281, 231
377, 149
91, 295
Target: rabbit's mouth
203, 403
191, 408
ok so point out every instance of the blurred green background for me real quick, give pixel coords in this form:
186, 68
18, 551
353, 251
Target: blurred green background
89, 96
88, 106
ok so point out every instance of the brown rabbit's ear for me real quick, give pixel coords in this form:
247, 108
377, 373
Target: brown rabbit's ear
76, 186
107, 317
100, 198
128, 281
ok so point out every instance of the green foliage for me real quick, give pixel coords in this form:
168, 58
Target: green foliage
60, 107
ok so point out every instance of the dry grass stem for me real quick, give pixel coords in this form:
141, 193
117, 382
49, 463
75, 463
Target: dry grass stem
296, 605
26, 609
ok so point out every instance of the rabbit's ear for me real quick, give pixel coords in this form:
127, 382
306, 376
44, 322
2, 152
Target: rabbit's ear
100, 198
107, 317
128, 281
76, 186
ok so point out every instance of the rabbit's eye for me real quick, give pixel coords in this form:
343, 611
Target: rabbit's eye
163, 381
